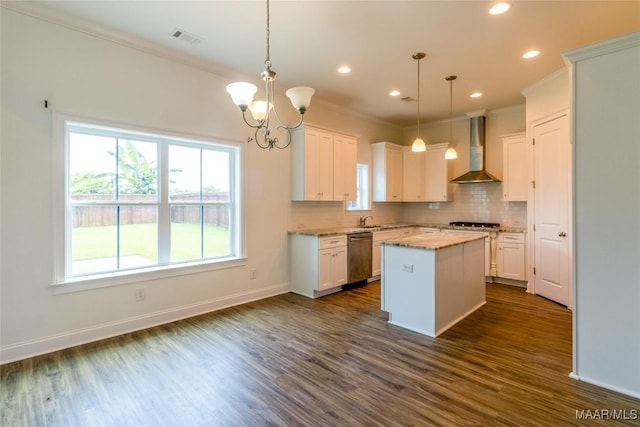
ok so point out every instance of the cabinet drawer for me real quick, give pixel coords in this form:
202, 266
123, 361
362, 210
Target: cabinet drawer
332, 242
511, 237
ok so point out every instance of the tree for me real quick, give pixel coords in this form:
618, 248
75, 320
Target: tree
92, 183
136, 175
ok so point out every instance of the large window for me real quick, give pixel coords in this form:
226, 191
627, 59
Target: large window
136, 200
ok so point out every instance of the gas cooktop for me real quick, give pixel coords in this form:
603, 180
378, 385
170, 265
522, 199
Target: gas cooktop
474, 224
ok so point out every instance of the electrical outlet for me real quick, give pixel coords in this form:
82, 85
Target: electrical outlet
252, 274
140, 294
407, 267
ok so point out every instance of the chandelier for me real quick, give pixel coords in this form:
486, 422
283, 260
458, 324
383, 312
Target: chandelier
242, 93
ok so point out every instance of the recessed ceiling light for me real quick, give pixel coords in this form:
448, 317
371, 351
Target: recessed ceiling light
394, 93
475, 95
345, 69
499, 8
531, 54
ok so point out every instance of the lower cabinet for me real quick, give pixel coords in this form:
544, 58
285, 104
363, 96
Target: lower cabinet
317, 265
511, 256
378, 237
332, 269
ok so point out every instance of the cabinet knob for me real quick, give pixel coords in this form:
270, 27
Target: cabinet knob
562, 234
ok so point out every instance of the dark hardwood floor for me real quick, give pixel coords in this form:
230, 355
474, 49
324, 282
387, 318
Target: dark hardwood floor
334, 361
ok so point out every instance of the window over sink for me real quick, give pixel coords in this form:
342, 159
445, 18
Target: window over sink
363, 201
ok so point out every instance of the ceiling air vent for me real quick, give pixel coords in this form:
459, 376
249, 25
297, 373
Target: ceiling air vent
408, 99
186, 36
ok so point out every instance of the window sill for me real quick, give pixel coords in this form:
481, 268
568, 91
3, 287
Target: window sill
79, 284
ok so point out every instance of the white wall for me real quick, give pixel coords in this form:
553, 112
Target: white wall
82, 74
472, 202
606, 213
548, 97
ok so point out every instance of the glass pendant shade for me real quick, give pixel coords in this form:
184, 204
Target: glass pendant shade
451, 154
242, 93
260, 109
300, 97
418, 145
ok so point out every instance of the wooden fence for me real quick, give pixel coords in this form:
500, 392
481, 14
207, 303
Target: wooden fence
96, 216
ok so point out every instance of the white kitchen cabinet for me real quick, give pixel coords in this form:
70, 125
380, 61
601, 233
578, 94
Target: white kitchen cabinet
514, 166
511, 256
317, 265
323, 165
311, 164
436, 173
412, 176
332, 270
378, 237
345, 168
387, 172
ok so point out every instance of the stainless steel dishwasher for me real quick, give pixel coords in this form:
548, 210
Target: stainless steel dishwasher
360, 250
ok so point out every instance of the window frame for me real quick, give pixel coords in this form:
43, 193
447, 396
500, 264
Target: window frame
63, 282
359, 190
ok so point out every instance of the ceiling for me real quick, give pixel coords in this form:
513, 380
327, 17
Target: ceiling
311, 39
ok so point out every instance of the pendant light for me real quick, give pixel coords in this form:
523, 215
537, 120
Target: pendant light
262, 111
451, 152
418, 145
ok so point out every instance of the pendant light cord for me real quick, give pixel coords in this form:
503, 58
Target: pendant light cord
419, 59
450, 111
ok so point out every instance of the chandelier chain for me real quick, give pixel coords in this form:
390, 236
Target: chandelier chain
267, 61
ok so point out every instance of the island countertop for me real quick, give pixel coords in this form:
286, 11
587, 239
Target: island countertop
433, 240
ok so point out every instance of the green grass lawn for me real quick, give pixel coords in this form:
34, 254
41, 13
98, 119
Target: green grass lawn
140, 239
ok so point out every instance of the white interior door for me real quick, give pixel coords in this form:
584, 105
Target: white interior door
552, 176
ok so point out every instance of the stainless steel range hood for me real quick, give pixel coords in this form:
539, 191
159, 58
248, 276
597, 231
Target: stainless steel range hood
477, 173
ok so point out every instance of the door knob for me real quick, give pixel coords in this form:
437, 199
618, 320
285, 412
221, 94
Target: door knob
562, 234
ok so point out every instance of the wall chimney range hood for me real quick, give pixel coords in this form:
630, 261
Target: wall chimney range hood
477, 172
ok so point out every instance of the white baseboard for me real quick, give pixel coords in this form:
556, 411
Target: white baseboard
631, 393
31, 348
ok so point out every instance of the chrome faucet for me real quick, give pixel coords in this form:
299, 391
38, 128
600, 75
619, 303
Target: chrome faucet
363, 220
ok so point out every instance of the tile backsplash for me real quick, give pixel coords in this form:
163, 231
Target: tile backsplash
471, 202
480, 202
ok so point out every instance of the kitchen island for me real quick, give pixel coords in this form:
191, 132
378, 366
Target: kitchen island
432, 281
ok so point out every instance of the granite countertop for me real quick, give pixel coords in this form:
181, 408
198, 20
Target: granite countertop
433, 240
335, 231
323, 232
502, 228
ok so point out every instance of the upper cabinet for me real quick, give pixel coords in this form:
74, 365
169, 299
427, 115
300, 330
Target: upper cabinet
413, 176
323, 165
345, 163
514, 156
387, 172
436, 173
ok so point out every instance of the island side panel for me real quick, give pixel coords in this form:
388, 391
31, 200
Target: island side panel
474, 279
409, 295
449, 292
460, 287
